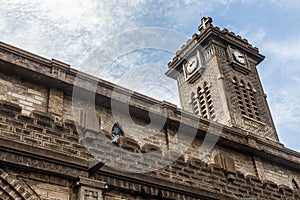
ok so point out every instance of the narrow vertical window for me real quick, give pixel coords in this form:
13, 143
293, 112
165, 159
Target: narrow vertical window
202, 102
252, 101
243, 96
238, 94
246, 100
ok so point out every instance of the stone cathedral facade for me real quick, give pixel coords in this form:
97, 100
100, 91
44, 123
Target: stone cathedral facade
60, 138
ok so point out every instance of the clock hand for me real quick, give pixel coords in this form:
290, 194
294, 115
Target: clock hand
191, 64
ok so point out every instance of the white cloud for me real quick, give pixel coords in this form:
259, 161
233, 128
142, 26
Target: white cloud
285, 50
70, 30
258, 36
282, 74
286, 4
285, 104
283, 60
51, 27
254, 36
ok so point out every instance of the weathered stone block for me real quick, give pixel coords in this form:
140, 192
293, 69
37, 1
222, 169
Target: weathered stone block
55, 104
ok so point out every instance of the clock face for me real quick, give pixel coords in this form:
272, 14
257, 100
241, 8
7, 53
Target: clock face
239, 57
191, 64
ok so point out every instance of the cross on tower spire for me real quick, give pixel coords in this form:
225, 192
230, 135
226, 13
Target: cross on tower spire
205, 22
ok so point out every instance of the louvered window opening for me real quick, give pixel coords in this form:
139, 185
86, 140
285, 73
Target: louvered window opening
202, 102
246, 100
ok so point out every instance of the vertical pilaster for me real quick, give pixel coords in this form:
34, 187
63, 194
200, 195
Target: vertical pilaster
259, 167
55, 103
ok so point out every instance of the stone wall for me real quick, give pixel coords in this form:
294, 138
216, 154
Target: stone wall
40, 130
29, 96
48, 149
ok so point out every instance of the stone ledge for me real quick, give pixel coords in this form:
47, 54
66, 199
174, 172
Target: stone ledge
44, 116
10, 106
82, 181
154, 183
29, 150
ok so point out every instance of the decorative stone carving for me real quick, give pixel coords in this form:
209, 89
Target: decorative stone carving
214, 50
90, 189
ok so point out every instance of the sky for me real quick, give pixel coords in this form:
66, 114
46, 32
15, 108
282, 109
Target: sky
130, 42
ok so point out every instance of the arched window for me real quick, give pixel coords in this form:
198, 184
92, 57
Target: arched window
295, 185
245, 94
116, 132
203, 102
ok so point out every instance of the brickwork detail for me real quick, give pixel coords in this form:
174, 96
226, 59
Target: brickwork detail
29, 96
50, 191
279, 174
195, 174
60, 136
55, 104
40, 129
58, 139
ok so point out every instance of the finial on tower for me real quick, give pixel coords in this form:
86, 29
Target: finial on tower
205, 22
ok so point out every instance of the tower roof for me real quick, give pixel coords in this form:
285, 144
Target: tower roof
207, 29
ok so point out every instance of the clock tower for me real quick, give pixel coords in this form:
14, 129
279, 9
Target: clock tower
218, 80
